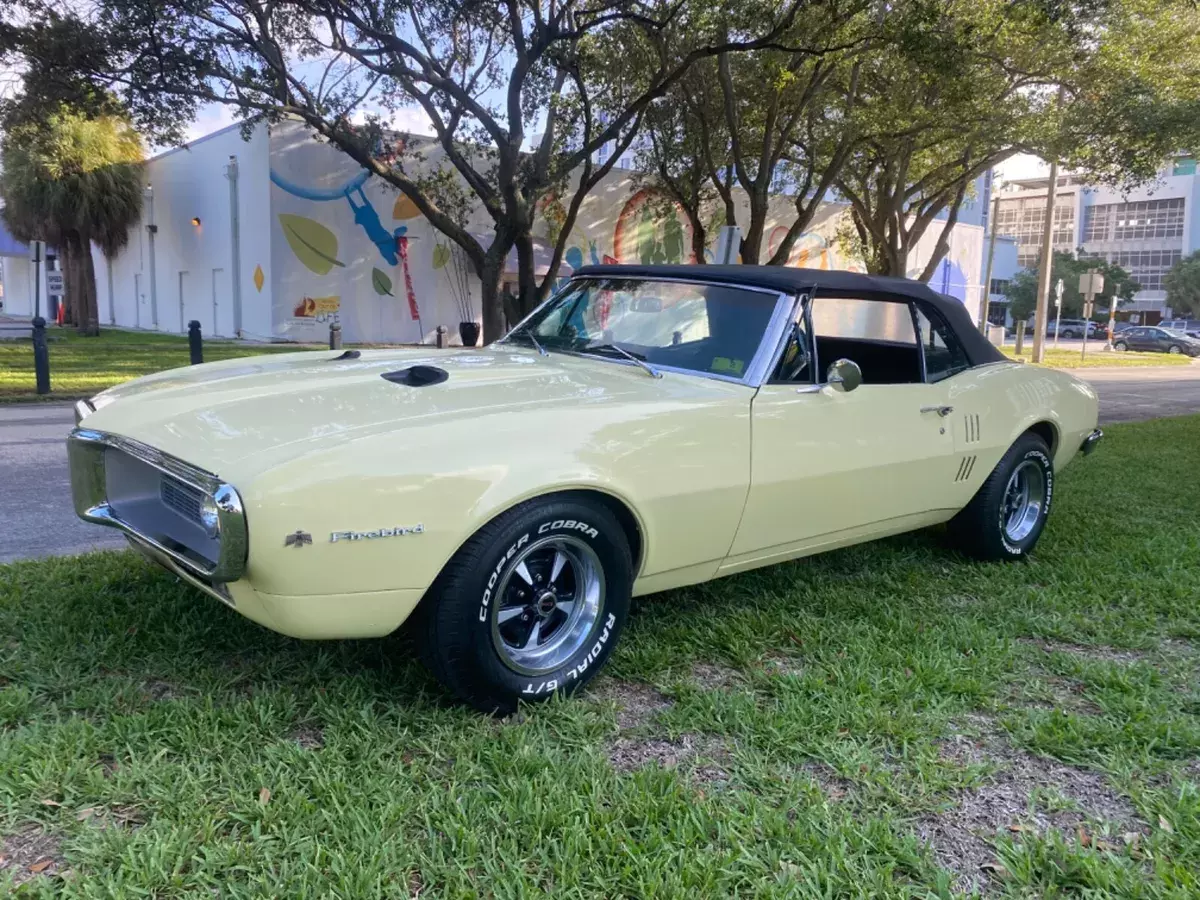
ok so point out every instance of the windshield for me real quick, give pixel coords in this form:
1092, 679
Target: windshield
709, 328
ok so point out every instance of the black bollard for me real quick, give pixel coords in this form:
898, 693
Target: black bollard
335, 336
194, 346
41, 356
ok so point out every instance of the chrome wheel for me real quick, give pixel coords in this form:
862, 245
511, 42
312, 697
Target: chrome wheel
1174, 349
1024, 500
549, 603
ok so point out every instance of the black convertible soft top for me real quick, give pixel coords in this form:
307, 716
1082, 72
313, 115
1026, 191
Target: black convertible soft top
842, 284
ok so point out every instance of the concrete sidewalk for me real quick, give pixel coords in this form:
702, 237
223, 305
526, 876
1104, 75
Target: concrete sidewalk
39, 520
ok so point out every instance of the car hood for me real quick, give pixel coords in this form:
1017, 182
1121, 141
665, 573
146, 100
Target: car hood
238, 417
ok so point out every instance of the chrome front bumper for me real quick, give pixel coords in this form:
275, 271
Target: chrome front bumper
1091, 442
115, 481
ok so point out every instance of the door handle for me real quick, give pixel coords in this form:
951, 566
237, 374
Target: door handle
942, 411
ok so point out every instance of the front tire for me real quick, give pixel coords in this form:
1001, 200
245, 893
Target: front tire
530, 606
1175, 348
1006, 516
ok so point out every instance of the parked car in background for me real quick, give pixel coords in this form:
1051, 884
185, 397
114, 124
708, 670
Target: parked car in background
646, 428
1073, 329
1156, 339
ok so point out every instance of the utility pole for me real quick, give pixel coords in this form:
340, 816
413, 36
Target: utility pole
1044, 268
1058, 292
987, 272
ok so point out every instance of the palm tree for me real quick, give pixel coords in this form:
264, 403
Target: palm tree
73, 179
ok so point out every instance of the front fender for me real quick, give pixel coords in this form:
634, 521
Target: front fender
413, 496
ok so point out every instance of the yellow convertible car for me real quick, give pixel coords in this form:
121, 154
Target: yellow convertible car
645, 428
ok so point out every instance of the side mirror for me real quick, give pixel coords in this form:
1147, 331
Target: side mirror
844, 375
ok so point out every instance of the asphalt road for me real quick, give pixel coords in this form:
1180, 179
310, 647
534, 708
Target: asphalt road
35, 493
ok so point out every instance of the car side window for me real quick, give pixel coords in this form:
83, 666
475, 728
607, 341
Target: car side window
944, 355
878, 335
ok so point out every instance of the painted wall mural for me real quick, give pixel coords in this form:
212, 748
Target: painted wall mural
337, 256
652, 231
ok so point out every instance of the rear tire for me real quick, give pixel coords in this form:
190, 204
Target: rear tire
1120, 346
532, 605
1006, 516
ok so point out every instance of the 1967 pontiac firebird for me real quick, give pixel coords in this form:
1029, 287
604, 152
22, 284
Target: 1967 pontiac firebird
647, 427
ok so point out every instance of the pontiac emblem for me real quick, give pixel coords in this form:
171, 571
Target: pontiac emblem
299, 539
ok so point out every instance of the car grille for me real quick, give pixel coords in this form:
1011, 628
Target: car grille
181, 498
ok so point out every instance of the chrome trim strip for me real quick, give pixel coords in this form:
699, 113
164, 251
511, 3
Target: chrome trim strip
83, 409
218, 590
85, 457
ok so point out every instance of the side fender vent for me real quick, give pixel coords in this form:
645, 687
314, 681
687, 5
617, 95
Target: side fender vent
972, 429
964, 469
417, 376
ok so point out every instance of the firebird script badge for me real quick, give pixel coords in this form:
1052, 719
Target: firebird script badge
299, 539
398, 531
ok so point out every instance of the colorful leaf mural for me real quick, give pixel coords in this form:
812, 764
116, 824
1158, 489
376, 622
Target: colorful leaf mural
314, 244
381, 282
404, 208
441, 256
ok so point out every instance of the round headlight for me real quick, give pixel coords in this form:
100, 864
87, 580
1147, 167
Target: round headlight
208, 516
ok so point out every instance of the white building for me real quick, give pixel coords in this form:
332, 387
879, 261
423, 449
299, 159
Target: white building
279, 236
1145, 231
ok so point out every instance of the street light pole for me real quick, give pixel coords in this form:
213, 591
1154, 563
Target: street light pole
1044, 268
987, 272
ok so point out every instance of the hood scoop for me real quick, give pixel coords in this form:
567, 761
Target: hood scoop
417, 376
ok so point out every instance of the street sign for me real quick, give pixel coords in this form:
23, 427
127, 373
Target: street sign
54, 284
1058, 292
37, 251
1091, 282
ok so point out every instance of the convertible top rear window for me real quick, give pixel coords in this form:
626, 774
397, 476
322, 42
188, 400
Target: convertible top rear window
714, 329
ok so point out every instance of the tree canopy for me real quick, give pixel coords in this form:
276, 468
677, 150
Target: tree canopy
896, 108
1183, 286
71, 178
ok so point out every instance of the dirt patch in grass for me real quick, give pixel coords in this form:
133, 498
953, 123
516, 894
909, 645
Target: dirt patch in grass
782, 664
1065, 694
636, 703
308, 737
715, 677
161, 691
1013, 799
832, 785
29, 854
702, 757
1100, 654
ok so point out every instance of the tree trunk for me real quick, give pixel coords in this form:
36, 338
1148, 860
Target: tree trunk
491, 303
752, 240
527, 286
72, 280
89, 310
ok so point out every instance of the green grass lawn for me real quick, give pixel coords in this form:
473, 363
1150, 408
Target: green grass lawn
80, 367
891, 720
1097, 357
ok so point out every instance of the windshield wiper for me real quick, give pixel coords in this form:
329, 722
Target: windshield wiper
635, 358
528, 333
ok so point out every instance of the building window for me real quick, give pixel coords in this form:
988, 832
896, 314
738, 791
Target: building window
1143, 220
1185, 165
999, 286
1023, 217
1147, 267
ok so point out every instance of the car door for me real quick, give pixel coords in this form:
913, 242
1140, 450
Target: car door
828, 465
1135, 339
